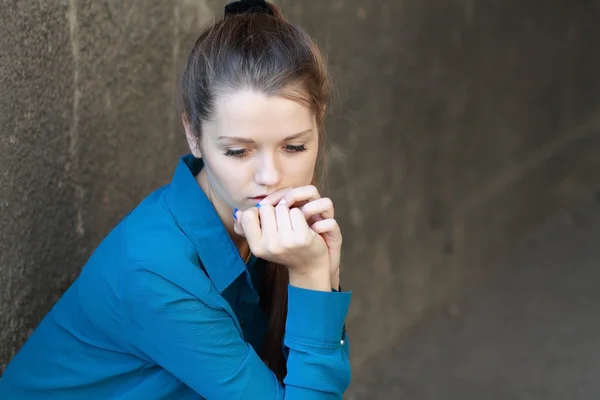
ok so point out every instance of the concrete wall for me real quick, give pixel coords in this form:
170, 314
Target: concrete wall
459, 127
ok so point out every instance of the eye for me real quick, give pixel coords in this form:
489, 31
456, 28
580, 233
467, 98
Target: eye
295, 149
236, 153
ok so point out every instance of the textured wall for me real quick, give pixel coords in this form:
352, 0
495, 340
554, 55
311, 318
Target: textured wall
464, 125
460, 126
88, 128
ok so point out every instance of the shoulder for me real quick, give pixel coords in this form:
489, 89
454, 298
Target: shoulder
150, 234
154, 245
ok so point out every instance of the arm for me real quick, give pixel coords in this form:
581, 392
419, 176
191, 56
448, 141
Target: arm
336, 287
197, 340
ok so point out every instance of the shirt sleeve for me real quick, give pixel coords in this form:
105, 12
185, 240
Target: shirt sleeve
195, 338
345, 338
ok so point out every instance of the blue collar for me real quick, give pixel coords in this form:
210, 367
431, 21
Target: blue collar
200, 222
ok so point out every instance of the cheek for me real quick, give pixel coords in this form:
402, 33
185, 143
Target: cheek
232, 176
221, 174
300, 172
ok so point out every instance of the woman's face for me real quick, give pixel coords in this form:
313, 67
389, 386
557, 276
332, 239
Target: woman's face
254, 145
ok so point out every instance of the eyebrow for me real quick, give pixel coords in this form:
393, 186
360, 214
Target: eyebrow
246, 140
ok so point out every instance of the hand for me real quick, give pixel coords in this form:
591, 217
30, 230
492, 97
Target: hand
281, 235
319, 214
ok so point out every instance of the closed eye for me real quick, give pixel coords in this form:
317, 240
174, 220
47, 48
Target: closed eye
295, 149
243, 153
237, 153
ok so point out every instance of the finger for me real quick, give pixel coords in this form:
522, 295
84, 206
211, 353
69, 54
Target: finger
326, 226
299, 224
284, 224
251, 227
322, 207
237, 224
310, 221
268, 221
303, 193
275, 197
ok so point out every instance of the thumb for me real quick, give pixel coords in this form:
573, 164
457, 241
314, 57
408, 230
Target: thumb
237, 224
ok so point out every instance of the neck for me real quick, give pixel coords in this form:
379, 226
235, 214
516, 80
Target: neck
224, 212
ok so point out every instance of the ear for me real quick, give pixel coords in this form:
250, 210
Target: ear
193, 141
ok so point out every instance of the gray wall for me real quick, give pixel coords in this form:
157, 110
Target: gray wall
459, 127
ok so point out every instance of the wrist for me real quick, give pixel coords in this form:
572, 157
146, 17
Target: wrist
335, 280
314, 278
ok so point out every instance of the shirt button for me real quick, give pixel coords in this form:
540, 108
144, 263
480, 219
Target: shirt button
342, 342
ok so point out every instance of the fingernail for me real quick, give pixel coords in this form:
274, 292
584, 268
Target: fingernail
235, 210
257, 205
282, 202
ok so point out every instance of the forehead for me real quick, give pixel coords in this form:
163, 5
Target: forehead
252, 113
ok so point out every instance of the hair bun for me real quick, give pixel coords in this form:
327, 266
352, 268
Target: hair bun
248, 7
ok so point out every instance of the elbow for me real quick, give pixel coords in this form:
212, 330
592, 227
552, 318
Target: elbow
345, 374
341, 374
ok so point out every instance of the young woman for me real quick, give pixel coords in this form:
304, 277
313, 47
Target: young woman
223, 284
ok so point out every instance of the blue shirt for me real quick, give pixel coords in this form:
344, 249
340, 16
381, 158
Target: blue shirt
165, 308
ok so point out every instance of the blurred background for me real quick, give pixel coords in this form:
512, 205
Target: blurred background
465, 169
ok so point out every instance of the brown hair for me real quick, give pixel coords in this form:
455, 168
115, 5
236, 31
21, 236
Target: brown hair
266, 53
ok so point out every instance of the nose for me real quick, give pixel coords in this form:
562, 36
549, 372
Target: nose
267, 172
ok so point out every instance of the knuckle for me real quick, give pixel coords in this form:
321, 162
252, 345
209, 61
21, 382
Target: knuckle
305, 240
296, 211
275, 248
289, 197
246, 215
264, 208
287, 244
295, 241
259, 252
291, 242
